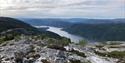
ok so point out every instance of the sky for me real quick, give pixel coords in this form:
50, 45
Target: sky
63, 8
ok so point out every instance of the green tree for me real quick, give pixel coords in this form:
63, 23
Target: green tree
82, 42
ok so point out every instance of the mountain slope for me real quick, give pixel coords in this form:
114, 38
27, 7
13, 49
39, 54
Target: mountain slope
7, 23
15, 26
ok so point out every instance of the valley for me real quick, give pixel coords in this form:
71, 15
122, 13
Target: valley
91, 29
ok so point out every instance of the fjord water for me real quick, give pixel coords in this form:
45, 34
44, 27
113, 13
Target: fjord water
59, 31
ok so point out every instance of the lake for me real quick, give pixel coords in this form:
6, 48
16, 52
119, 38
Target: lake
59, 31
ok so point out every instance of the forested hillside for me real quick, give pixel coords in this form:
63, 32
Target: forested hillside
103, 32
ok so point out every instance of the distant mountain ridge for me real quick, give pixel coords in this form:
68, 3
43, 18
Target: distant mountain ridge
35, 21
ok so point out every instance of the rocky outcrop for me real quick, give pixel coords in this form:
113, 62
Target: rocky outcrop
28, 51
36, 51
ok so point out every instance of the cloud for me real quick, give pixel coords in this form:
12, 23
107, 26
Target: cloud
63, 8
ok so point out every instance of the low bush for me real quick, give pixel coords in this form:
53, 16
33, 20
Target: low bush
113, 54
82, 42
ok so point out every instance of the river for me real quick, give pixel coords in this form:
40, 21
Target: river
59, 31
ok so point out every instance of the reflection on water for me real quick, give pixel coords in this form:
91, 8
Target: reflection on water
59, 31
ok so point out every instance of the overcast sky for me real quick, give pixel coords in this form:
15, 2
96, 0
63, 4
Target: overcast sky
63, 8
